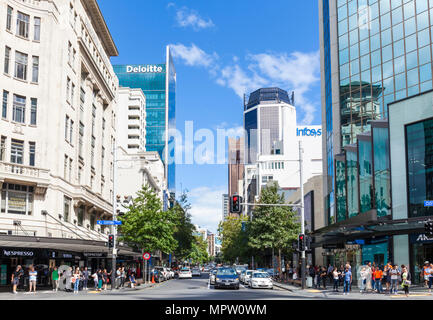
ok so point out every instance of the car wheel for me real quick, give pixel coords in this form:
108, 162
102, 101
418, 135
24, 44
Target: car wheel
237, 288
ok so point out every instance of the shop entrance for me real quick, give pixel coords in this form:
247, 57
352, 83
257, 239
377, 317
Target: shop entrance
421, 253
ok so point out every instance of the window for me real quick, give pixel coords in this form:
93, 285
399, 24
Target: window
32, 153
35, 73
92, 153
17, 151
33, 110
92, 222
72, 94
5, 104
66, 208
2, 148
80, 140
66, 128
80, 174
23, 22
16, 199
20, 65
65, 167
19, 109
7, 60
81, 210
9, 19
70, 170
69, 53
71, 132
37, 34
68, 89
102, 161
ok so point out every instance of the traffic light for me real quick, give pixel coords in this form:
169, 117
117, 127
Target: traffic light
301, 242
428, 228
235, 204
110, 240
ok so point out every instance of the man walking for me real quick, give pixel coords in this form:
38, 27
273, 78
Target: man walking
347, 281
85, 278
55, 279
378, 274
16, 276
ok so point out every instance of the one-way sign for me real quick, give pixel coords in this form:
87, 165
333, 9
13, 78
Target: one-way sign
108, 222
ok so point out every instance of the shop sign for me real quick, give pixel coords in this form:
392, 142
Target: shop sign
94, 254
333, 246
420, 238
17, 253
67, 255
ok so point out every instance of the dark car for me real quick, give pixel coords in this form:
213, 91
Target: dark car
227, 278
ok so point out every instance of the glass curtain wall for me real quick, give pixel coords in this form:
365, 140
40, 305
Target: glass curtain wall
352, 181
419, 163
382, 174
365, 159
340, 187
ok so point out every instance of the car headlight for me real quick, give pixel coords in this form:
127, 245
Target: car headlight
217, 279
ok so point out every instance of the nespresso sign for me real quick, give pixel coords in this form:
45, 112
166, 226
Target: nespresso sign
17, 253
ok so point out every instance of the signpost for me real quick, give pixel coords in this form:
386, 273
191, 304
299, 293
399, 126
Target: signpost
146, 257
109, 222
428, 203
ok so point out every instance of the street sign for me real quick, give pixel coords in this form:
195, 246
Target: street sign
428, 203
108, 222
146, 256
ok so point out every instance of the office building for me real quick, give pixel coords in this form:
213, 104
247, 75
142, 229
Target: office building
225, 207
158, 83
57, 133
373, 53
272, 143
236, 164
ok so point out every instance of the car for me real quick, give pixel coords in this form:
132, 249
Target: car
271, 272
206, 269
212, 276
227, 278
260, 279
196, 272
242, 276
239, 269
185, 273
164, 273
247, 276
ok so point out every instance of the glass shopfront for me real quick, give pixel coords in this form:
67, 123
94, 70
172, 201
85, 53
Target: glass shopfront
419, 163
421, 250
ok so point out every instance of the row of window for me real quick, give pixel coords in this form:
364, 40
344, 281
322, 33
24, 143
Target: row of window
19, 108
21, 65
23, 24
17, 150
271, 165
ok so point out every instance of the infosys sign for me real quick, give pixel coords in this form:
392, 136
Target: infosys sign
144, 69
308, 132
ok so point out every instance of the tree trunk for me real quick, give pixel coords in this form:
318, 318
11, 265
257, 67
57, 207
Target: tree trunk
273, 264
279, 262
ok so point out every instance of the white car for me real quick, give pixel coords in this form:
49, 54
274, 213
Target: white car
246, 276
171, 272
185, 273
196, 272
260, 280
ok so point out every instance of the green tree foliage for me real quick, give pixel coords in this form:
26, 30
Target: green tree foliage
198, 253
234, 239
146, 226
272, 227
183, 231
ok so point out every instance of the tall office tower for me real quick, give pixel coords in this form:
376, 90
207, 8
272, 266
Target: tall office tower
272, 143
225, 207
158, 83
373, 53
235, 165
56, 133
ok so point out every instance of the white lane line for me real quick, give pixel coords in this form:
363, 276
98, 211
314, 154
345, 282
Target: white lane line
208, 285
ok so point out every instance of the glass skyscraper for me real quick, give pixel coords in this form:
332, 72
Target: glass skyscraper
158, 82
373, 52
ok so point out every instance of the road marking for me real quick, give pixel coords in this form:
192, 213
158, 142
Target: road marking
314, 291
410, 295
94, 291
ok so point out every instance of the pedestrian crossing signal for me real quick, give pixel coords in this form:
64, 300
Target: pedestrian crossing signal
235, 204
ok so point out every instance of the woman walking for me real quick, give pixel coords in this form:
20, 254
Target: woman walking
76, 279
336, 278
32, 277
363, 277
100, 279
105, 279
55, 279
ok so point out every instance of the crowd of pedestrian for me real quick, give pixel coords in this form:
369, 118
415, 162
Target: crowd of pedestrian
75, 279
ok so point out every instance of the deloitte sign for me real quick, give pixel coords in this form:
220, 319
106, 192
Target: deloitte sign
308, 132
144, 69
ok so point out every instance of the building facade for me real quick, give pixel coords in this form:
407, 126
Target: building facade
373, 53
236, 164
57, 132
225, 207
158, 83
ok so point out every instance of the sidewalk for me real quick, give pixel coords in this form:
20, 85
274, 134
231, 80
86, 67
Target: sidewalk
415, 291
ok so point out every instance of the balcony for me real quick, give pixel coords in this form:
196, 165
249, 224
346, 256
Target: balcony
25, 174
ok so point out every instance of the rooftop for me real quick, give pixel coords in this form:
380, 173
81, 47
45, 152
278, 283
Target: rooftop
269, 95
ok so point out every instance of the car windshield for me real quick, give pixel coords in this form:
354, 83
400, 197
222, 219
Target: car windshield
260, 275
214, 271
249, 273
226, 272
184, 270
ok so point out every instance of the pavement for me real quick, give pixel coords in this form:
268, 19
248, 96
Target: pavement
198, 288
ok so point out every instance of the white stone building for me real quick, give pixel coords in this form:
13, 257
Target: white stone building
57, 127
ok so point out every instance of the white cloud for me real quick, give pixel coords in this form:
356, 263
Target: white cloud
186, 17
206, 206
193, 55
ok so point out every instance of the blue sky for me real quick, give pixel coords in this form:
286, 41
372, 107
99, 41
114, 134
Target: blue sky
222, 49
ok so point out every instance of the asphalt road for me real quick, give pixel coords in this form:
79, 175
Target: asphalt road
197, 288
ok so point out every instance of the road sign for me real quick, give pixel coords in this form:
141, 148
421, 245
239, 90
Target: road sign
146, 256
108, 222
428, 203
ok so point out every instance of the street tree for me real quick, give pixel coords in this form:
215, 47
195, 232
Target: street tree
183, 231
232, 232
199, 253
146, 226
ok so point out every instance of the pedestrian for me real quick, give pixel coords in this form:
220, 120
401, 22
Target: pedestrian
323, 276
317, 272
55, 279
132, 280
95, 279
122, 277
105, 279
85, 278
118, 277
386, 276
16, 277
336, 277
33, 274
369, 276
394, 274
100, 279
68, 276
363, 277
329, 272
378, 274
347, 281
373, 279
405, 277
430, 278
425, 272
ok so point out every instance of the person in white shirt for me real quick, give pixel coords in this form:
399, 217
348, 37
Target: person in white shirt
32, 279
